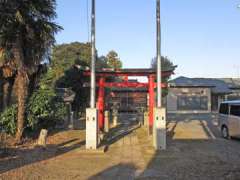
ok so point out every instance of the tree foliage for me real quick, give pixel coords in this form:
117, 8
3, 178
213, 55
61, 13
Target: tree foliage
8, 120
66, 59
113, 61
27, 26
64, 56
26, 34
166, 64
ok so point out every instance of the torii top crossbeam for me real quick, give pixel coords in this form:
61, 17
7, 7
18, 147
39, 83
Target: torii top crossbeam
131, 72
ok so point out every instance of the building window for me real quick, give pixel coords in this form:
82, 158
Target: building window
224, 109
235, 110
191, 103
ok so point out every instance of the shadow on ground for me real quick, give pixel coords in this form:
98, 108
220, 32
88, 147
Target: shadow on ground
17, 158
205, 156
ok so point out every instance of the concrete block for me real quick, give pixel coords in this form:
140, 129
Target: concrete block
159, 129
91, 128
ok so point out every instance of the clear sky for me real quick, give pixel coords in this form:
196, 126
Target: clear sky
202, 37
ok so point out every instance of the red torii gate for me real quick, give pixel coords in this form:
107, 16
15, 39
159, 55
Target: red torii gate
151, 85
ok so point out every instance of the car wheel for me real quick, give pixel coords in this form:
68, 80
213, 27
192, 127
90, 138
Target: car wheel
225, 132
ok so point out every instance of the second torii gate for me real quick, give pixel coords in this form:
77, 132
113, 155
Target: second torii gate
125, 73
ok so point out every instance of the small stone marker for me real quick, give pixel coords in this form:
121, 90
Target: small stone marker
42, 139
71, 121
115, 121
106, 123
115, 117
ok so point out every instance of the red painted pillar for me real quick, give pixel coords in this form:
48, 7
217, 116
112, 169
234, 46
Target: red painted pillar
126, 78
101, 103
151, 101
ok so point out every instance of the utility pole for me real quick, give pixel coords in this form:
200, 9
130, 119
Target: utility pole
93, 62
159, 127
92, 112
159, 67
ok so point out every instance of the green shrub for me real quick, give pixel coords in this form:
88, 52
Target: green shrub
8, 120
43, 110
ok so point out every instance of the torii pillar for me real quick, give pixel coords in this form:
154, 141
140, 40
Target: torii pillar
101, 93
151, 83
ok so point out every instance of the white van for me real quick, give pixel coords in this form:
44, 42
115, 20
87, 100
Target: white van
229, 119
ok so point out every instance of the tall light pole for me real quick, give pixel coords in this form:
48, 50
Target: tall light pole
92, 113
93, 61
159, 125
159, 67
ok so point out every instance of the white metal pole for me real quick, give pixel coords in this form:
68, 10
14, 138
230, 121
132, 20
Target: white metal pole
93, 72
159, 68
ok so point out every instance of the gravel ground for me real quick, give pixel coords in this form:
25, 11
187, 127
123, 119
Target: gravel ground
195, 151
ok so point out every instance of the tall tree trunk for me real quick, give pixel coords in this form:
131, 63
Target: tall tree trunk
5, 94
22, 87
22, 92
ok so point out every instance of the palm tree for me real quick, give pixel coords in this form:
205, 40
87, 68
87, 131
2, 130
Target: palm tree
27, 33
7, 79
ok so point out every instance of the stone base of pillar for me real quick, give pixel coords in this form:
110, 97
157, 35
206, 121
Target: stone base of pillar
91, 128
159, 129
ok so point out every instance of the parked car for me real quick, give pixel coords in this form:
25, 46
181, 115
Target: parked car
229, 119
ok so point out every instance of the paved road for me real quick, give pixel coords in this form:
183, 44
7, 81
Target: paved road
195, 151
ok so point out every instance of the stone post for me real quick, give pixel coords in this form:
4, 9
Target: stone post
71, 121
107, 122
115, 117
42, 139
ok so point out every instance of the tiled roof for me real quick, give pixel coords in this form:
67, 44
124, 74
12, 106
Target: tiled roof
224, 85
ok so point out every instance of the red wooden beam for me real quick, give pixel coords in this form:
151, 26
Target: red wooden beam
130, 85
126, 85
123, 74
